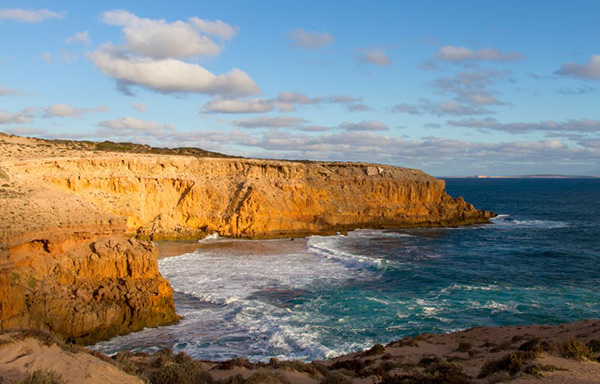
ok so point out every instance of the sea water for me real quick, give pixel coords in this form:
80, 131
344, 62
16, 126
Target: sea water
319, 297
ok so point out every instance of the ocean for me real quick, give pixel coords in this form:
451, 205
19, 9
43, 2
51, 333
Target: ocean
320, 297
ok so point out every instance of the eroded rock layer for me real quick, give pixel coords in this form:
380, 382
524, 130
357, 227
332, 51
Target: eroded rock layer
66, 262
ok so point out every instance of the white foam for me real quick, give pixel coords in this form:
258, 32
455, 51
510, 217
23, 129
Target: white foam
212, 237
505, 220
329, 247
463, 287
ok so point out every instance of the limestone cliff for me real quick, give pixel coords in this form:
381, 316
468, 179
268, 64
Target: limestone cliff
185, 197
65, 263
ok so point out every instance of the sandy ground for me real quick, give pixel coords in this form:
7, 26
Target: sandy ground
20, 357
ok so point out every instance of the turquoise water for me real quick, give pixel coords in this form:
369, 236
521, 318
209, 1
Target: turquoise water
324, 296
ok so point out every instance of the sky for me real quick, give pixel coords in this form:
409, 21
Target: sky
454, 88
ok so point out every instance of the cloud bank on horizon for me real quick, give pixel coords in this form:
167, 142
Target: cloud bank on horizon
388, 83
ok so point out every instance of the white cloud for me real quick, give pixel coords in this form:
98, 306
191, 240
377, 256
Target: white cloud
452, 53
570, 125
238, 106
29, 15
301, 38
215, 28
25, 131
358, 107
9, 91
376, 55
169, 75
23, 117
158, 39
285, 101
153, 51
446, 107
79, 37
589, 70
270, 122
364, 126
141, 107
128, 126
65, 110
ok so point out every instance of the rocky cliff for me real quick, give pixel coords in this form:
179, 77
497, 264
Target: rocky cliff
65, 260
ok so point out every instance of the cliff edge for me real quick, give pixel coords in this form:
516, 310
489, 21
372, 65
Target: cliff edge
67, 258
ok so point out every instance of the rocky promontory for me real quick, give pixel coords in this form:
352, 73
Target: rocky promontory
75, 216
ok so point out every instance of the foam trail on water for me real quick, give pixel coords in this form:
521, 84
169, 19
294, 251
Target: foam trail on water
508, 221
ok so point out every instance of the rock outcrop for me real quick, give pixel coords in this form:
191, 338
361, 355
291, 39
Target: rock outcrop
66, 262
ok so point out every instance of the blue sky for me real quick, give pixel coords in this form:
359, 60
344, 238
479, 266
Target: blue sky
453, 88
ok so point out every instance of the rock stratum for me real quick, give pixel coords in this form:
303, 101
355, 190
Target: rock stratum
75, 216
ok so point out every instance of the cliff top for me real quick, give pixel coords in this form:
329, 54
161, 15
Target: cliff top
18, 147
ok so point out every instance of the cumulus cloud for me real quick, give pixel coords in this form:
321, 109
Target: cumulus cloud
15, 117
153, 53
441, 108
215, 28
364, 126
303, 39
65, 110
589, 70
358, 107
238, 106
376, 55
471, 91
450, 53
471, 87
79, 37
159, 39
285, 101
170, 75
128, 126
570, 125
29, 15
270, 122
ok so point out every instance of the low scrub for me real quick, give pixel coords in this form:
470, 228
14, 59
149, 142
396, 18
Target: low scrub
43, 377
575, 349
187, 373
441, 373
511, 363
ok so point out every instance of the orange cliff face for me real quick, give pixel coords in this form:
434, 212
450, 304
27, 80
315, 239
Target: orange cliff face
169, 197
66, 262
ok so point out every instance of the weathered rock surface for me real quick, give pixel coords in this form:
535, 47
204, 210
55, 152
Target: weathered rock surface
65, 263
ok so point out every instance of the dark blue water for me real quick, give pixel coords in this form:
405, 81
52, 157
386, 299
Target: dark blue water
539, 262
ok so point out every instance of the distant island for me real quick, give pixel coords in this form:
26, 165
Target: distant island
540, 176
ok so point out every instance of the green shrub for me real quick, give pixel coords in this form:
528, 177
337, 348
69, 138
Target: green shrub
182, 358
240, 362
510, 363
313, 369
575, 349
594, 345
377, 349
237, 379
335, 378
187, 373
354, 365
464, 347
441, 373
43, 377
265, 377
535, 345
